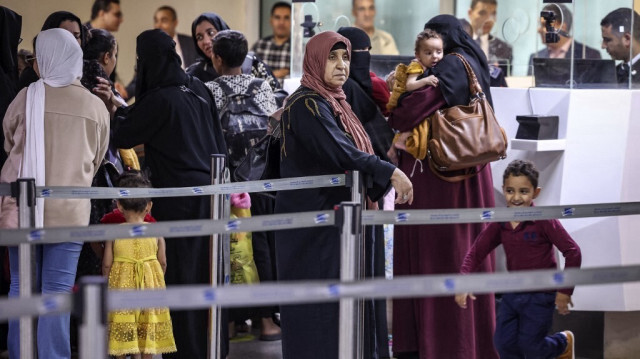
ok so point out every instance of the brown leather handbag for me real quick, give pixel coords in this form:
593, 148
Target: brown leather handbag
465, 136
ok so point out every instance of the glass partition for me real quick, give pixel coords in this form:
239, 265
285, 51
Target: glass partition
390, 21
512, 37
561, 44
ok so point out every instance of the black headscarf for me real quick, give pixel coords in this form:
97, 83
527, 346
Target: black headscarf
212, 18
359, 92
10, 27
56, 18
360, 60
450, 70
158, 63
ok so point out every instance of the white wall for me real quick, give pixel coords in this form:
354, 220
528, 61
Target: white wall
242, 15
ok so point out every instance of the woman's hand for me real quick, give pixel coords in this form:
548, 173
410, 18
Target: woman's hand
401, 140
403, 187
103, 91
398, 144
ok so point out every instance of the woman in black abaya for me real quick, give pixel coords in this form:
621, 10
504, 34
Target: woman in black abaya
436, 327
10, 25
176, 119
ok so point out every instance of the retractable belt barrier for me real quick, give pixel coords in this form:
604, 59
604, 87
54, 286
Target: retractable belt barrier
226, 188
182, 297
204, 227
94, 300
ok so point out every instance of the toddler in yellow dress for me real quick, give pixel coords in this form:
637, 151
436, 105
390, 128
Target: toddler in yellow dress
135, 264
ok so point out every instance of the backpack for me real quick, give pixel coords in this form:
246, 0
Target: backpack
243, 121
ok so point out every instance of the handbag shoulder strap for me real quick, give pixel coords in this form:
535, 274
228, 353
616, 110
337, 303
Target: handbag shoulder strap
474, 85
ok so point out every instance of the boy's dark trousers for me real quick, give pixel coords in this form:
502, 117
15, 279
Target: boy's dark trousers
523, 324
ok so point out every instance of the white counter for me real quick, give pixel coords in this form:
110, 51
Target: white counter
598, 161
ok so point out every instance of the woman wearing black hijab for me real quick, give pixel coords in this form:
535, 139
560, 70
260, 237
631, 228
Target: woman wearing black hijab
176, 119
10, 27
203, 29
61, 19
435, 327
359, 92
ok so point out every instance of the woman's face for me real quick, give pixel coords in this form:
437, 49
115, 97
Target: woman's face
74, 28
204, 34
109, 60
336, 72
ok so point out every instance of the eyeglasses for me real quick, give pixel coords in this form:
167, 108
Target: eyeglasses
19, 41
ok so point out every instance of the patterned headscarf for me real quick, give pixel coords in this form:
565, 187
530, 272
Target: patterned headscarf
315, 61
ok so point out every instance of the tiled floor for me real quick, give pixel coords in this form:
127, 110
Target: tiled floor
247, 346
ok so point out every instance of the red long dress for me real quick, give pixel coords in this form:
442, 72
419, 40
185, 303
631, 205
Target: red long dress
436, 327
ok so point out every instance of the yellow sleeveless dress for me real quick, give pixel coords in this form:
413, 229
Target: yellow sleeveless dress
145, 331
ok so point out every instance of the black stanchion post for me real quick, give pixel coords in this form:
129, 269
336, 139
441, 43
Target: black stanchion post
24, 190
90, 307
350, 342
217, 259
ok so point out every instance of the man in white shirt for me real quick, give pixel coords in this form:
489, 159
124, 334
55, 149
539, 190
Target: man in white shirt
382, 43
166, 19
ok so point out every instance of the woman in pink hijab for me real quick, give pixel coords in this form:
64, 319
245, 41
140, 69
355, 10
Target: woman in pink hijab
320, 136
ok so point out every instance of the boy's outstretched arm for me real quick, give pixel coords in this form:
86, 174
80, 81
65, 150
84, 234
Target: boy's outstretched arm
563, 301
461, 299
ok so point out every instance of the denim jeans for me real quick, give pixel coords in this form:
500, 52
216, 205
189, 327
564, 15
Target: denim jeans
56, 266
524, 320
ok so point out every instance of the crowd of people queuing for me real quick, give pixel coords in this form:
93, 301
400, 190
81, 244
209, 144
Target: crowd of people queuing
66, 122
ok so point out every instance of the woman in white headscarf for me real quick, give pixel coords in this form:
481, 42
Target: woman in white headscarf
57, 132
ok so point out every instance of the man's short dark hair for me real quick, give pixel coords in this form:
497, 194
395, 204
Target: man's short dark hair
280, 4
475, 2
104, 5
169, 9
231, 46
566, 17
622, 18
522, 168
353, 3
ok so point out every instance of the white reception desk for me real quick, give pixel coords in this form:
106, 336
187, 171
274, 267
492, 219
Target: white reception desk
595, 160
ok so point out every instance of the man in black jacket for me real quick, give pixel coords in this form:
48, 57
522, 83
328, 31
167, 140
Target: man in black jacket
623, 43
166, 19
562, 49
